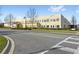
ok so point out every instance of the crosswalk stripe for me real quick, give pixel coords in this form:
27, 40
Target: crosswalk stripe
71, 42
67, 49
74, 38
61, 42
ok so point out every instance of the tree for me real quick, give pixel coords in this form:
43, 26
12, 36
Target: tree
73, 21
8, 19
32, 14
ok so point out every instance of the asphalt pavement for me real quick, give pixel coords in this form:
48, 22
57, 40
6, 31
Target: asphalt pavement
27, 42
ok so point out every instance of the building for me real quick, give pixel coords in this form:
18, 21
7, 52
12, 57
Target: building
21, 22
53, 21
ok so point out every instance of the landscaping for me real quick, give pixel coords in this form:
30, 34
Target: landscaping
3, 43
54, 30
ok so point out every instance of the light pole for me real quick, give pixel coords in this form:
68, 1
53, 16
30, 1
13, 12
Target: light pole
25, 22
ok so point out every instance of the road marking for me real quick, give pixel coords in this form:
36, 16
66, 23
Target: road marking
56, 45
67, 49
72, 42
12, 45
61, 42
44, 52
74, 38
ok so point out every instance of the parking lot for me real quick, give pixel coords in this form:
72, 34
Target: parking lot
29, 42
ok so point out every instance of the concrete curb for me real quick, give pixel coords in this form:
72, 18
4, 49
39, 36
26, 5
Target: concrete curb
5, 47
61, 33
58, 33
12, 45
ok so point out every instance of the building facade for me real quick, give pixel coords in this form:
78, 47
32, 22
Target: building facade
53, 21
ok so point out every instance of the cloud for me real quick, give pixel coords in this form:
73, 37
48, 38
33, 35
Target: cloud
57, 8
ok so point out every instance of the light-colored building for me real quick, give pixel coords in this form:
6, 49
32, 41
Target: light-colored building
53, 21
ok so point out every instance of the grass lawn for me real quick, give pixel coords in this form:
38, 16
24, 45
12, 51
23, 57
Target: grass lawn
51, 30
3, 43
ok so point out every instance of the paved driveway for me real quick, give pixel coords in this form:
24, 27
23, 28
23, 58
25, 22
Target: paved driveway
32, 42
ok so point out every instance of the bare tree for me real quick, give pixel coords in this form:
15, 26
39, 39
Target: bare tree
8, 19
32, 14
73, 21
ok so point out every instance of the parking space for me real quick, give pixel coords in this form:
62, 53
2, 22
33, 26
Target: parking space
68, 46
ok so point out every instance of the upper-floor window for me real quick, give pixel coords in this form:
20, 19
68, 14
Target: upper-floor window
54, 20
57, 19
47, 20
50, 19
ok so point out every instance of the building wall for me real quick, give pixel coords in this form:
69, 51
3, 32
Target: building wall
64, 22
53, 21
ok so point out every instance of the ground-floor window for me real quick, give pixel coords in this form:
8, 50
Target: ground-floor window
51, 26
57, 26
64, 26
47, 26
44, 26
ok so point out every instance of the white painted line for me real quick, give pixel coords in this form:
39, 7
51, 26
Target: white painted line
74, 38
67, 49
12, 45
5, 47
72, 42
57, 44
61, 42
44, 52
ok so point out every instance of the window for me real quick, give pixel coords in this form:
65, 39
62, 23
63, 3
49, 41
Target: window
38, 20
44, 25
57, 26
57, 19
47, 20
54, 20
47, 26
51, 26
44, 20
50, 19
64, 26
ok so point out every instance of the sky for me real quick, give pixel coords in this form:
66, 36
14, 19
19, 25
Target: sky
43, 10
